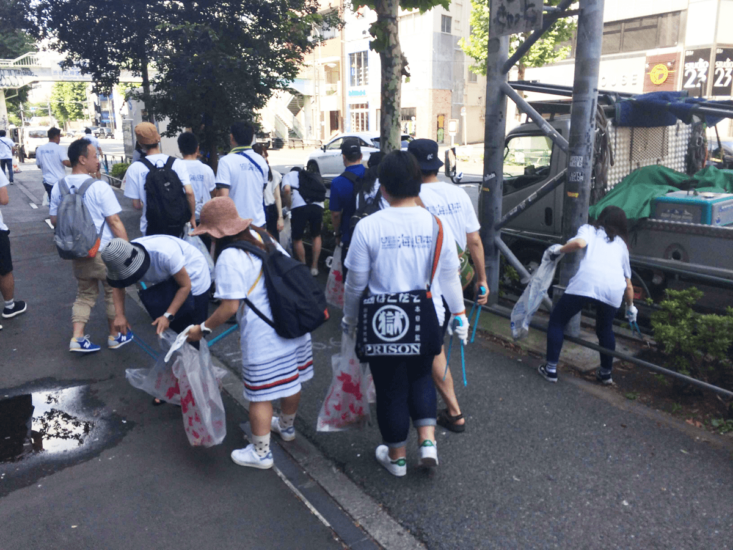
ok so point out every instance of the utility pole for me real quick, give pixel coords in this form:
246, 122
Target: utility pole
582, 135
492, 185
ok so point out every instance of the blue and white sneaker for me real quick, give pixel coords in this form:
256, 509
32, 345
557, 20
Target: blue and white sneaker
83, 345
249, 457
287, 434
116, 342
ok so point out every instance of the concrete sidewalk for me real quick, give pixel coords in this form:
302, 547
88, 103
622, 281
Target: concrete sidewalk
135, 482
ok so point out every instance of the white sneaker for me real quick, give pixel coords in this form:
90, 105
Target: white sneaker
249, 457
314, 271
395, 467
428, 454
285, 434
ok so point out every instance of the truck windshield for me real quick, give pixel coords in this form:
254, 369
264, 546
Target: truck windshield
526, 161
38, 134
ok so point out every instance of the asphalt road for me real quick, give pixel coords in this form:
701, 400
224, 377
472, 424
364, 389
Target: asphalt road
135, 482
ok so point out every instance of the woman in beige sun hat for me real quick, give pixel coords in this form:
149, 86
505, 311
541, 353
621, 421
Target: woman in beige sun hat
272, 367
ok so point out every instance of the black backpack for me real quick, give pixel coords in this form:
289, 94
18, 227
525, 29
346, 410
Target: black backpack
297, 302
311, 187
367, 206
168, 210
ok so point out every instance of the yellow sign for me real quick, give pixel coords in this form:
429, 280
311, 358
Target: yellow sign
659, 74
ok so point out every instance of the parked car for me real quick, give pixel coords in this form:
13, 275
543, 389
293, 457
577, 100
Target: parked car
34, 137
327, 160
104, 133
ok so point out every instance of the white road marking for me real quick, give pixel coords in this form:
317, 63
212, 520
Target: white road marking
33, 205
49, 223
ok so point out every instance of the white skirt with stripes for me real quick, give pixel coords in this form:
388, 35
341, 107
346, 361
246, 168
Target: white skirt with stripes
279, 377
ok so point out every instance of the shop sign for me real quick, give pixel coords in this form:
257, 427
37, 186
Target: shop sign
697, 70
723, 71
357, 93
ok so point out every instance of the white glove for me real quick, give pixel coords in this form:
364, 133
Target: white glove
461, 327
631, 313
553, 250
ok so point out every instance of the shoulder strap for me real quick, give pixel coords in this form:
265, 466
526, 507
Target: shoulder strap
63, 188
350, 176
147, 163
248, 247
266, 240
241, 153
85, 186
169, 163
438, 240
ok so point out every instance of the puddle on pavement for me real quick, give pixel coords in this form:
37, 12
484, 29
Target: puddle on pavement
42, 423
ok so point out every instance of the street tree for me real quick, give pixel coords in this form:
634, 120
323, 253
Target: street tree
553, 46
386, 42
102, 37
221, 60
67, 101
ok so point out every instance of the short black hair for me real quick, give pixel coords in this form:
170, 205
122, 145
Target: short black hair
428, 173
78, 148
399, 172
87, 130
53, 133
187, 143
352, 157
242, 133
2, 133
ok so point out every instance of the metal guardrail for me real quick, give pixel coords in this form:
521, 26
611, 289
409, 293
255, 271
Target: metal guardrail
29, 59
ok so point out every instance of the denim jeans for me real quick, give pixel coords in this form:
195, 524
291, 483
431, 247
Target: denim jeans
405, 390
9, 164
568, 306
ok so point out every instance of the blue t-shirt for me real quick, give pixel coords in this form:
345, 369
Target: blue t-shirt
343, 199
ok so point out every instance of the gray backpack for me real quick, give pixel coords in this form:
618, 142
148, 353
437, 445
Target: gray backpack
75, 235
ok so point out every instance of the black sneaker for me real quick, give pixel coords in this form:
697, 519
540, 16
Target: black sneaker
547, 375
604, 379
19, 307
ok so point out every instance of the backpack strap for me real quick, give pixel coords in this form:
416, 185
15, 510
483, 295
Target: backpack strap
148, 164
85, 186
169, 163
63, 188
350, 176
241, 153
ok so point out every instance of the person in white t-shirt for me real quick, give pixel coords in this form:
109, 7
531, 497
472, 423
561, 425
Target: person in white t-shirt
7, 147
52, 159
391, 252
12, 307
302, 213
272, 367
148, 139
273, 200
200, 175
104, 209
454, 208
603, 279
242, 175
158, 259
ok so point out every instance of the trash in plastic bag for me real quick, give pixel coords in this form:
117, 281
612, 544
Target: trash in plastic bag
199, 245
532, 297
346, 405
335, 283
186, 377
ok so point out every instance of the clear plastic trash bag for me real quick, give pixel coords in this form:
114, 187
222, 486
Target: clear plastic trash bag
335, 283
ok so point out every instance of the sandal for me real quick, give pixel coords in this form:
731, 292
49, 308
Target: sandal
449, 422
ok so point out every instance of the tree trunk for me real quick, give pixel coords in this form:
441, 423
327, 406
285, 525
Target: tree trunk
148, 113
211, 144
391, 58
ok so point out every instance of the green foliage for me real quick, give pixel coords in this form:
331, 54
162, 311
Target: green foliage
632, 396
695, 345
547, 50
722, 425
68, 100
118, 170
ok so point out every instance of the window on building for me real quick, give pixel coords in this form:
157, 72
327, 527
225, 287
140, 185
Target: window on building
407, 24
359, 117
472, 77
445, 23
359, 68
642, 33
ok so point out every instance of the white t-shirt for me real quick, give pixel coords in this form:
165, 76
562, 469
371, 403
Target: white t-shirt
396, 246
3, 182
202, 180
277, 179
245, 182
604, 269
99, 199
49, 158
6, 148
293, 180
454, 208
168, 256
236, 273
91, 138
135, 181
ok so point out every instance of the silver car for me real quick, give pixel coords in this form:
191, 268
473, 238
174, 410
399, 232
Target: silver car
327, 161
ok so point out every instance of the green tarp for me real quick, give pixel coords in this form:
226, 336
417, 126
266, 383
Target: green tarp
635, 193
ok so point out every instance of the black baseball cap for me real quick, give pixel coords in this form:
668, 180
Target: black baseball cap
350, 145
426, 153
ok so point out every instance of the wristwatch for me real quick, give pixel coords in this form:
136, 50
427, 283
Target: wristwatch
205, 330
169, 316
